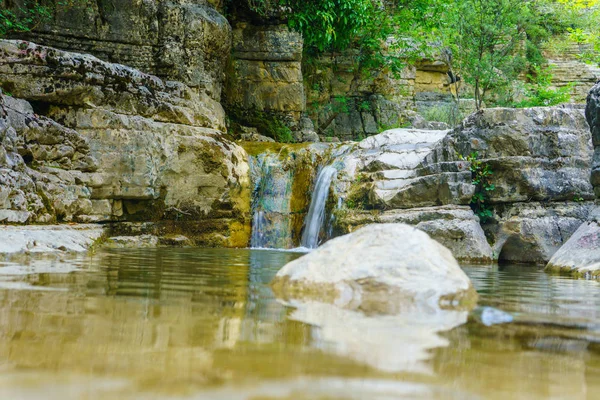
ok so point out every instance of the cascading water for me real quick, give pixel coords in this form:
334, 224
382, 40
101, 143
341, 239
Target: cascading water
270, 202
316, 213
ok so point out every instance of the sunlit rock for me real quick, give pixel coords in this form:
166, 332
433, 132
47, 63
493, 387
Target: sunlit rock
383, 268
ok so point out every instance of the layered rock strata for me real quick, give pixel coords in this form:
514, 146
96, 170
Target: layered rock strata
179, 40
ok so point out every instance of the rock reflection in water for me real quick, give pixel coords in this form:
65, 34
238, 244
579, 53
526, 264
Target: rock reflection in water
390, 343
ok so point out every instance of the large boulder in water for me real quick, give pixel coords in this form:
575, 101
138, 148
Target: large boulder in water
381, 267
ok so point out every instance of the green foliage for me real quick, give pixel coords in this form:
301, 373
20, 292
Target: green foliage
27, 14
483, 36
382, 34
22, 18
539, 92
482, 180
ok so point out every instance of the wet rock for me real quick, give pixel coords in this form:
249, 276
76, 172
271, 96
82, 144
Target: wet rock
383, 267
48, 238
489, 316
133, 242
175, 241
580, 256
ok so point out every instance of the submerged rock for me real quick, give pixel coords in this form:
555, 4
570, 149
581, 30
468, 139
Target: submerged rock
580, 256
489, 316
383, 268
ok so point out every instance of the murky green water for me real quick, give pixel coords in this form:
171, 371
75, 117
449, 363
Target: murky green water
203, 324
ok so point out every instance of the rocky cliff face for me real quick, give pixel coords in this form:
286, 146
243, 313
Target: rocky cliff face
180, 40
132, 147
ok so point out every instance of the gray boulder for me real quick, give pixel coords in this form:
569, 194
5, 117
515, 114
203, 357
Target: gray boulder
580, 256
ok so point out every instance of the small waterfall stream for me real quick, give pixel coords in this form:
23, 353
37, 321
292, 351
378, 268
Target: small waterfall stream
271, 199
316, 213
285, 214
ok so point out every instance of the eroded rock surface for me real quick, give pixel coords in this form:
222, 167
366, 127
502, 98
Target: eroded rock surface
150, 150
381, 267
42, 165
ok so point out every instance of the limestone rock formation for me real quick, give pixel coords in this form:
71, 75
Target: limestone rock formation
158, 146
42, 167
581, 254
533, 232
379, 267
265, 87
540, 158
537, 154
393, 176
384, 181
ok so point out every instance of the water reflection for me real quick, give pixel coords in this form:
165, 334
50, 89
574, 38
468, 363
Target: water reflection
390, 343
203, 324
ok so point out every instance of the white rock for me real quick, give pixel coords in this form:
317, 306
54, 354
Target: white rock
387, 267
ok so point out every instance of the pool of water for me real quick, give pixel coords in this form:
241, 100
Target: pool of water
204, 324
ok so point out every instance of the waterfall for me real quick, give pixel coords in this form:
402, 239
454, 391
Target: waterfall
316, 213
271, 199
